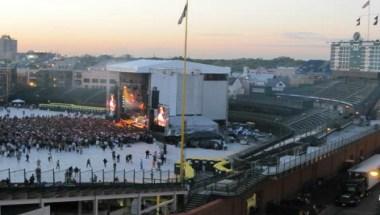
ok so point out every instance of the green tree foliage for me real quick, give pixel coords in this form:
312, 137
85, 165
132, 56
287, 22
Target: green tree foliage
237, 65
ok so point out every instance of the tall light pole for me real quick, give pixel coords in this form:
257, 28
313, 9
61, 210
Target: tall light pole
183, 111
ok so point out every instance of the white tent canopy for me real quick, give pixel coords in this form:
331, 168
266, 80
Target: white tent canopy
18, 101
193, 124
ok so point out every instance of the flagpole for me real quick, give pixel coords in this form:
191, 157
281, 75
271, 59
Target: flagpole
182, 164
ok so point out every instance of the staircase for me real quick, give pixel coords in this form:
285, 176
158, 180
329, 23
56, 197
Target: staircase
195, 201
249, 183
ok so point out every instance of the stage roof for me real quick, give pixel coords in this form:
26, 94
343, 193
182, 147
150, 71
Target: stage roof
149, 66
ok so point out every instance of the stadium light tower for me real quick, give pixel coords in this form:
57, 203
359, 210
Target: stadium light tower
183, 110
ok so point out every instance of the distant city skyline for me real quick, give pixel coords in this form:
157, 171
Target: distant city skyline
218, 28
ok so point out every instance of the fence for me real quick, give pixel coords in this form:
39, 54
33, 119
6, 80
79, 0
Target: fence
257, 173
322, 151
53, 177
294, 139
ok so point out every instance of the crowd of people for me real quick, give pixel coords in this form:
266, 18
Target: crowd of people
63, 133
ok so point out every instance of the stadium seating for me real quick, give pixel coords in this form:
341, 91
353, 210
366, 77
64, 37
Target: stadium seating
313, 120
353, 91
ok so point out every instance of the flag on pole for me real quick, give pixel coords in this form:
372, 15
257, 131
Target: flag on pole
376, 20
183, 15
366, 4
358, 22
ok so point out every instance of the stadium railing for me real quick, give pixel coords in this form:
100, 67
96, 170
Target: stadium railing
57, 178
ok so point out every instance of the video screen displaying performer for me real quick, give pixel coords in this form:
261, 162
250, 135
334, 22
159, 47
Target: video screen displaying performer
161, 117
111, 104
132, 100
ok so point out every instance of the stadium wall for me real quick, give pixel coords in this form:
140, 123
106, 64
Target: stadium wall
215, 99
353, 74
288, 184
220, 207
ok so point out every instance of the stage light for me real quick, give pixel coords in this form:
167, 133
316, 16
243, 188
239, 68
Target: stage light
32, 84
374, 173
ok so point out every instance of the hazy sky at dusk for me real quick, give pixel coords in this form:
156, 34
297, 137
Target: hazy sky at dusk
218, 28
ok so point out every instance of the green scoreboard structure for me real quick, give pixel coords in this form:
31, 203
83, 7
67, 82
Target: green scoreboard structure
357, 58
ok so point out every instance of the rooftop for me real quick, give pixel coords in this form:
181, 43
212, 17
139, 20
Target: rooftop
6, 37
147, 66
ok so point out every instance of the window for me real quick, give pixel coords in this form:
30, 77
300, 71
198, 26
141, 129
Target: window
94, 80
215, 77
103, 81
112, 81
86, 80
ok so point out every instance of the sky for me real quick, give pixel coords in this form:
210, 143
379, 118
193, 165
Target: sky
300, 29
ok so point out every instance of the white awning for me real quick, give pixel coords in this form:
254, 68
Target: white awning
18, 101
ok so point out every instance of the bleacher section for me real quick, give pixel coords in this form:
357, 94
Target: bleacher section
353, 91
308, 90
361, 93
313, 120
350, 91
294, 119
78, 96
271, 106
299, 115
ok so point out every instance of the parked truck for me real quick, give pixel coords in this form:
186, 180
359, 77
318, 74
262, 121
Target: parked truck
361, 178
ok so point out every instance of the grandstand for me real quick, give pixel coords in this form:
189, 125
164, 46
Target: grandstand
271, 107
311, 112
353, 91
359, 93
77, 96
310, 89
295, 108
296, 113
313, 120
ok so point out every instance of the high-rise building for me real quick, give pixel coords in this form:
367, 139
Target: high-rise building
8, 48
8, 79
5, 82
357, 58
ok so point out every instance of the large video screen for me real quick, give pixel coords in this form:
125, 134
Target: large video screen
111, 105
161, 116
132, 99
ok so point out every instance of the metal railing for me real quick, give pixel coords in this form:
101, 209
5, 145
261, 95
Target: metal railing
315, 155
238, 184
257, 173
294, 139
53, 177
